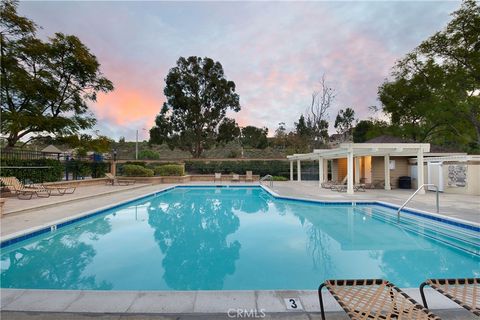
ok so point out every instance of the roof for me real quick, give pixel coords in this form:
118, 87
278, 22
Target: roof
433, 147
364, 149
52, 149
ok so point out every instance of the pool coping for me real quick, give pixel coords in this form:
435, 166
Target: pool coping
181, 302
47, 227
184, 302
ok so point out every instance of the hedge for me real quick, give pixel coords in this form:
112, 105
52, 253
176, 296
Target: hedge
272, 167
169, 170
132, 170
54, 172
148, 155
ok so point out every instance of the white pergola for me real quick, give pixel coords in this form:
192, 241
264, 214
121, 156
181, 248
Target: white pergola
353, 151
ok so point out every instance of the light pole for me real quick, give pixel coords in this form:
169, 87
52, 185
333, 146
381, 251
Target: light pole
136, 143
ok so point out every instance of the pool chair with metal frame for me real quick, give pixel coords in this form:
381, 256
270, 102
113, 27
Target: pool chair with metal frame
373, 299
24, 192
340, 186
465, 292
217, 176
235, 178
63, 188
121, 182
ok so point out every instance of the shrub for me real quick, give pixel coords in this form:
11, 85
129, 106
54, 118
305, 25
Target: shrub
272, 167
99, 169
54, 172
132, 170
169, 170
148, 155
279, 178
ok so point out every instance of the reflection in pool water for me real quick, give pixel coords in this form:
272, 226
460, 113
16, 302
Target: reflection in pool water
228, 238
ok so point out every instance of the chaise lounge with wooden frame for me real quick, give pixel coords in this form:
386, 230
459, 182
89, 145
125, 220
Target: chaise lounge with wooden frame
24, 192
465, 292
111, 179
248, 176
235, 177
373, 299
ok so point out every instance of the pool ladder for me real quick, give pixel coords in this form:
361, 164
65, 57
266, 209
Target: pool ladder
267, 178
413, 195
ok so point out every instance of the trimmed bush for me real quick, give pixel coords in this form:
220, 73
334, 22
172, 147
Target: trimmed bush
132, 170
273, 167
148, 155
99, 169
169, 170
279, 178
54, 172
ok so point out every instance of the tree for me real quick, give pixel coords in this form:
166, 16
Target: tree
45, 86
254, 137
316, 115
281, 135
344, 122
228, 130
369, 129
434, 95
85, 142
198, 97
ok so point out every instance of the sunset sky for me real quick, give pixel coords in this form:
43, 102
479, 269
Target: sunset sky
276, 53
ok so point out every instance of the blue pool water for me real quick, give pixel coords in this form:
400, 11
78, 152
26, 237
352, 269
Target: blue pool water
236, 239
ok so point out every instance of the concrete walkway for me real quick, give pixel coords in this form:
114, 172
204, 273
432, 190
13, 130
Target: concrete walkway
443, 314
86, 199
465, 207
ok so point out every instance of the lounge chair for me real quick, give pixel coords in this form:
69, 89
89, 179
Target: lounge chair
249, 176
24, 192
122, 182
63, 188
329, 184
340, 186
373, 299
465, 292
235, 178
218, 176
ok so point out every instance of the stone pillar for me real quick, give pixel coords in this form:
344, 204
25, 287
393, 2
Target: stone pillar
386, 164
113, 167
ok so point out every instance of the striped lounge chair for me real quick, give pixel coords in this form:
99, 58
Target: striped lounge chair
373, 299
465, 292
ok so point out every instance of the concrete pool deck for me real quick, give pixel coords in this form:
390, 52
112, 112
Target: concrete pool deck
22, 304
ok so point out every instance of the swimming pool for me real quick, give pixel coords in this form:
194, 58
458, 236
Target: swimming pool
237, 238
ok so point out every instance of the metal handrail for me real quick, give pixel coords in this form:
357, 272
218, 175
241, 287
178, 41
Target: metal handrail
268, 177
413, 195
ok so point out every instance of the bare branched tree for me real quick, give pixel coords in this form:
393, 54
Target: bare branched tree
316, 115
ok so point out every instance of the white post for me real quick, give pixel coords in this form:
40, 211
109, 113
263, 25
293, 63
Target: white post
320, 172
291, 170
299, 171
136, 145
386, 165
420, 180
357, 170
350, 172
325, 169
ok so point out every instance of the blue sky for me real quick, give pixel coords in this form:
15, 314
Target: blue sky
275, 52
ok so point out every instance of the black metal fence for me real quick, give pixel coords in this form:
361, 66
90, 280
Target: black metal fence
23, 154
